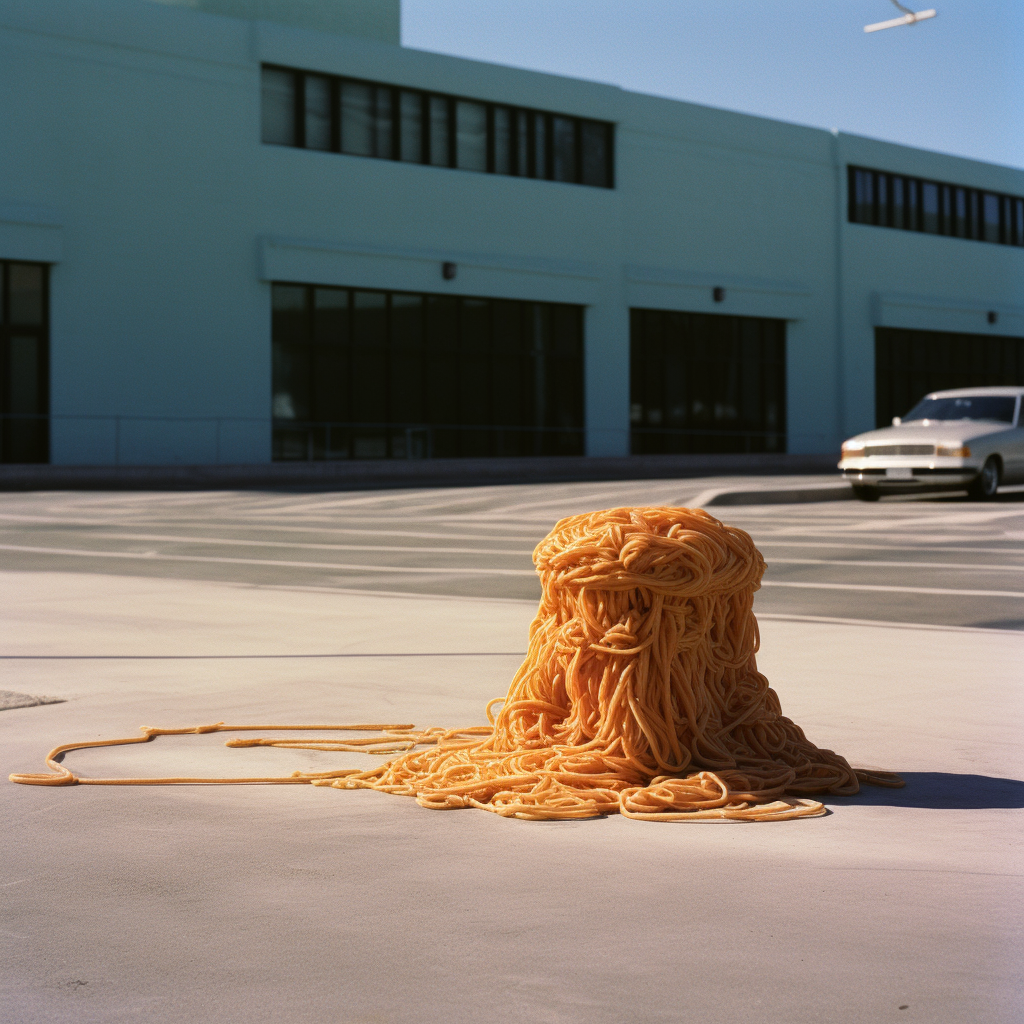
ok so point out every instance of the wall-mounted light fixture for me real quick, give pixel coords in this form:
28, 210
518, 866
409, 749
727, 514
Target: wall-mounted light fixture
718, 293
448, 271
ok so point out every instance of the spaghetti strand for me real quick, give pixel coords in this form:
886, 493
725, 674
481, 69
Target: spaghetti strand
639, 695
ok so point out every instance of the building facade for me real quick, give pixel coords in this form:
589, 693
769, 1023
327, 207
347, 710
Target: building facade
240, 230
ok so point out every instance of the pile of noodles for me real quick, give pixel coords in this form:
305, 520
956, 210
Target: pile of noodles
639, 694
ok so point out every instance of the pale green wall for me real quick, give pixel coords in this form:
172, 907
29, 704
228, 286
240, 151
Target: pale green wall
371, 19
132, 161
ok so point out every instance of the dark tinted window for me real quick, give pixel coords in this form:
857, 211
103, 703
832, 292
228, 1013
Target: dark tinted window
990, 208
278, 107
893, 200
324, 112
523, 144
595, 148
318, 91
898, 206
541, 131
411, 133
930, 207
470, 136
25, 294
960, 213
383, 114
357, 118
440, 132
910, 364
369, 374
706, 383
502, 140
882, 199
863, 197
24, 363
564, 148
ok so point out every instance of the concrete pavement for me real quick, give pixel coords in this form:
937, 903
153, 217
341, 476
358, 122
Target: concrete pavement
301, 904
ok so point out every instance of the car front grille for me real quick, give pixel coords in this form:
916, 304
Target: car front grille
899, 449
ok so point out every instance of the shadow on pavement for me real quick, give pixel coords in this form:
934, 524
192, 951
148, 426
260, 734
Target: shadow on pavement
941, 790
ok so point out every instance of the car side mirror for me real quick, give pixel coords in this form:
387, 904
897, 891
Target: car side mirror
896, 421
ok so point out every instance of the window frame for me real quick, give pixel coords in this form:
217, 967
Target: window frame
542, 173
972, 226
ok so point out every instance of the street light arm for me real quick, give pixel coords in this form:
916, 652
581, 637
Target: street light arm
910, 18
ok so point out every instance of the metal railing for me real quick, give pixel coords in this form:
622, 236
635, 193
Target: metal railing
32, 445
707, 440
133, 439
299, 440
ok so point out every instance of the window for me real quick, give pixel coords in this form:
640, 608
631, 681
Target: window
910, 364
930, 207
410, 133
706, 383
990, 207
317, 101
331, 114
898, 207
862, 197
24, 362
564, 148
357, 120
471, 136
279, 107
361, 373
501, 140
440, 132
895, 200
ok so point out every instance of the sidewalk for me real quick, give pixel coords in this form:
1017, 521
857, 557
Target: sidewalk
385, 473
299, 904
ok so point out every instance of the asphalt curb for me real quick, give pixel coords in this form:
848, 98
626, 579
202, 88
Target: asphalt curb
840, 491
398, 473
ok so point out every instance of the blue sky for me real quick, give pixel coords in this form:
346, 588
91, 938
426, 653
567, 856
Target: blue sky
953, 84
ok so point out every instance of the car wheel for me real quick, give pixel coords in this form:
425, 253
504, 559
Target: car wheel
986, 483
865, 493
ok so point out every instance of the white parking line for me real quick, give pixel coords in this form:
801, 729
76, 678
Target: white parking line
234, 524
155, 557
949, 592
895, 565
372, 548
884, 623
903, 548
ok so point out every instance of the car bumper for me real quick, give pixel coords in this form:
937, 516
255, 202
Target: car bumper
896, 474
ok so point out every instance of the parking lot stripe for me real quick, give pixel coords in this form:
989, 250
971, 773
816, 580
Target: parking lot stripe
156, 557
869, 563
947, 591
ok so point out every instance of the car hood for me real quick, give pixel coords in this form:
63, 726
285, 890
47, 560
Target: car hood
934, 431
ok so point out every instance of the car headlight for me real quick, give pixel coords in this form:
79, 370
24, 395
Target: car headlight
853, 449
958, 450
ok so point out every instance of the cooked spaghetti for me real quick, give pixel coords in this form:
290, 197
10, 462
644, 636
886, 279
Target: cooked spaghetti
639, 694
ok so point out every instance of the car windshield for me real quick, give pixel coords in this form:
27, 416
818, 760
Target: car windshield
972, 407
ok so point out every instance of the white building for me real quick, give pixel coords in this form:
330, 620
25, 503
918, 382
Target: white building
238, 230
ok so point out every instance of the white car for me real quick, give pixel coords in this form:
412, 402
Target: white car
969, 438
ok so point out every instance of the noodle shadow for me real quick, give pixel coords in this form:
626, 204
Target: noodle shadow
941, 791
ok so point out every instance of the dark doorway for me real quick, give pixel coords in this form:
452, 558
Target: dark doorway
702, 382
24, 362
364, 374
910, 364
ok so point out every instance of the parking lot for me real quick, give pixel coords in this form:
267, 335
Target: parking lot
893, 632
